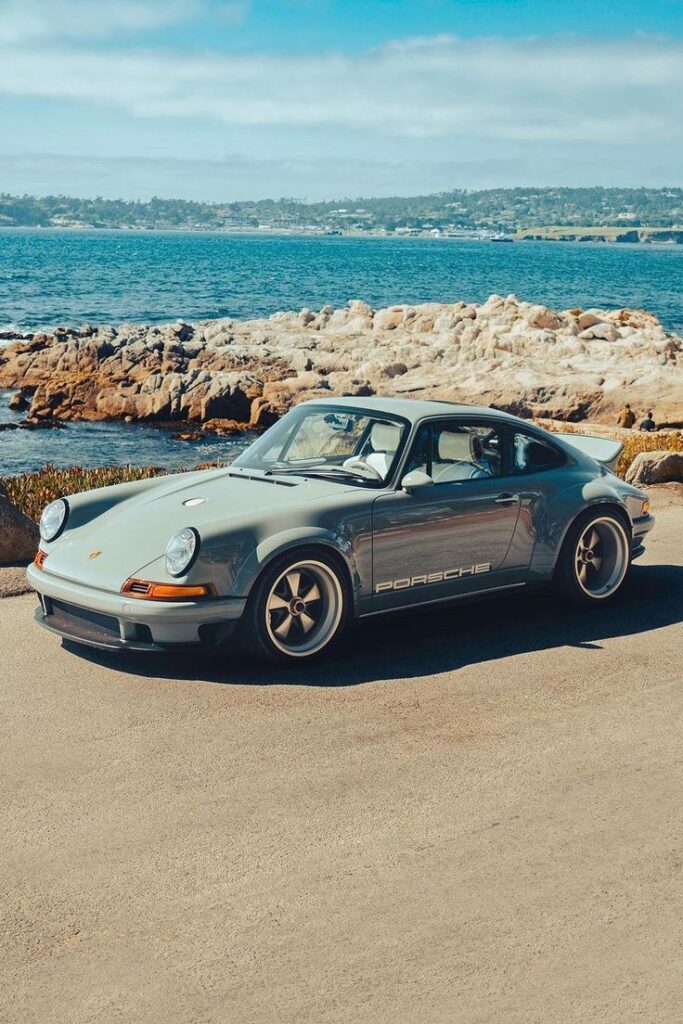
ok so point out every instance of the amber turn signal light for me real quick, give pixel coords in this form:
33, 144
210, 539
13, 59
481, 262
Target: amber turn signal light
167, 591
646, 508
40, 558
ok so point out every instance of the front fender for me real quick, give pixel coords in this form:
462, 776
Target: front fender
287, 541
560, 515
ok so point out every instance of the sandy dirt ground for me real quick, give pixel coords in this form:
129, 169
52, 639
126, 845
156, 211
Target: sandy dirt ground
13, 580
471, 816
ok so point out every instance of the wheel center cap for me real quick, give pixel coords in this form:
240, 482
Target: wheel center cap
296, 606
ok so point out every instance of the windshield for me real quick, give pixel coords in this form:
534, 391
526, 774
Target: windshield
353, 446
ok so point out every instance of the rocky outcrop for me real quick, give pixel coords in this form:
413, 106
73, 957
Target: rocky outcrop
660, 467
19, 402
18, 534
526, 358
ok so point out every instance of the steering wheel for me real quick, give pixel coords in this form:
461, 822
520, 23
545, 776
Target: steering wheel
359, 462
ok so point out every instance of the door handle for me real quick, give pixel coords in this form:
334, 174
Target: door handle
506, 499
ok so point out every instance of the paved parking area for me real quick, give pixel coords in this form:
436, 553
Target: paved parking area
470, 816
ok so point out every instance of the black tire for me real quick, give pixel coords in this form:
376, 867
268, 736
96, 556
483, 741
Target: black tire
297, 610
595, 558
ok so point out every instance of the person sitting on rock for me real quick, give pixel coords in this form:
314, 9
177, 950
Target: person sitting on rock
626, 417
648, 423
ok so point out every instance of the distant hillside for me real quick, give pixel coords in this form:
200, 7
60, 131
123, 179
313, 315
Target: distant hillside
527, 211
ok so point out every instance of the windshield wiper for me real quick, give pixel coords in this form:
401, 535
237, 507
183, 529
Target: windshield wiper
317, 471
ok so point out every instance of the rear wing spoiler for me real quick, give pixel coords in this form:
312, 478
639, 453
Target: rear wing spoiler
602, 449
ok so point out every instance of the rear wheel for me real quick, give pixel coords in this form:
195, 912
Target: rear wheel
595, 558
297, 610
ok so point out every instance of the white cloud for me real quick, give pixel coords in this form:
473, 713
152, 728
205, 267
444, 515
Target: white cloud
529, 90
30, 21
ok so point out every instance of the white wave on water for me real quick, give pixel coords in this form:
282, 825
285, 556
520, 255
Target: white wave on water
6, 328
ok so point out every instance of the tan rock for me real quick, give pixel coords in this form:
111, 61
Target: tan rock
505, 351
19, 535
546, 318
588, 319
388, 319
360, 308
603, 331
658, 467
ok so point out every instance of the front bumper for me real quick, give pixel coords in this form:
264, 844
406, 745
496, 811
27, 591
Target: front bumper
110, 621
641, 527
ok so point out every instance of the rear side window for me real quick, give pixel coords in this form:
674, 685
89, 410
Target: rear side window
529, 454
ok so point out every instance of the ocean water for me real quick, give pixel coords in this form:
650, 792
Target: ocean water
106, 444
50, 278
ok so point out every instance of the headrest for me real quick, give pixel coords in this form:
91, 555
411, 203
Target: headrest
385, 437
453, 445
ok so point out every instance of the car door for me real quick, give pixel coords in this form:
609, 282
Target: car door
453, 536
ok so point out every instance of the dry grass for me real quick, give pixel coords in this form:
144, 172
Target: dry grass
670, 441
635, 441
33, 491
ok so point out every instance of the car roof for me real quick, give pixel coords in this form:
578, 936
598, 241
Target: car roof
413, 409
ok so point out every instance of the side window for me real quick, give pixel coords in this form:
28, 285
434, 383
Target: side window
449, 451
529, 454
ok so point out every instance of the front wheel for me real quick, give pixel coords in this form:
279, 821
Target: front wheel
297, 610
595, 558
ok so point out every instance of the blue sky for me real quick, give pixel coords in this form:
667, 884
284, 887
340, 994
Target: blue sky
230, 99
355, 25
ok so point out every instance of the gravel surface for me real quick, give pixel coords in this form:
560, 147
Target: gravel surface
471, 816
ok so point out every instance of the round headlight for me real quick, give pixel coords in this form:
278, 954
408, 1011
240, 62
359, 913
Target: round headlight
53, 519
181, 551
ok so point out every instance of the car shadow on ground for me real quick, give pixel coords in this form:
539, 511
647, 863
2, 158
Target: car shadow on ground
432, 641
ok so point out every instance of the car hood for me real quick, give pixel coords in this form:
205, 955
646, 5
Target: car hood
133, 531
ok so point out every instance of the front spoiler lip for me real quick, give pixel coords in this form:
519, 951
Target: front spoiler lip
113, 645
172, 625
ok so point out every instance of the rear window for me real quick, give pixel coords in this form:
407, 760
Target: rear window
530, 454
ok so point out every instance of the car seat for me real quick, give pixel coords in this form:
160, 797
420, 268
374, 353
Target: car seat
384, 440
463, 457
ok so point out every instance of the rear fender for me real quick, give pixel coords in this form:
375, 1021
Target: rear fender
560, 515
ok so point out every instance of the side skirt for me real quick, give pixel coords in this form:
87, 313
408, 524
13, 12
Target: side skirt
473, 595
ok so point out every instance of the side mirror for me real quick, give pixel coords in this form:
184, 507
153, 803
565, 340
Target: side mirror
416, 481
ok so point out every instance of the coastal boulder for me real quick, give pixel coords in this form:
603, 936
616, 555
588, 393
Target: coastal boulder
19, 535
505, 352
603, 332
19, 402
587, 319
659, 467
227, 398
548, 319
360, 308
389, 319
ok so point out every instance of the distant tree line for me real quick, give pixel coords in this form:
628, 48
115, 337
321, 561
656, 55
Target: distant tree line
510, 209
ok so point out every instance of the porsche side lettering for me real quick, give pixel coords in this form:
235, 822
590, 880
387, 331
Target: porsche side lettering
434, 577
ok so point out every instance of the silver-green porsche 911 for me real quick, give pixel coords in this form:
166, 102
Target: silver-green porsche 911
343, 509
